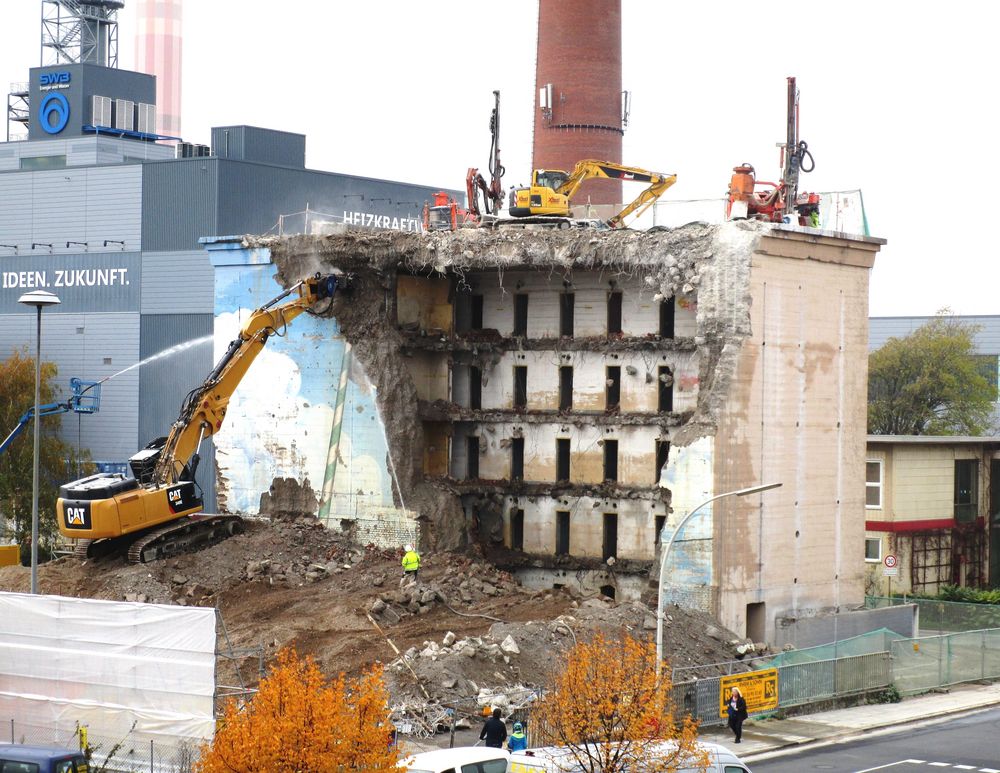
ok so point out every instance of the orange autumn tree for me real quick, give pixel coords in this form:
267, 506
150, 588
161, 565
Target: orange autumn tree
298, 723
608, 711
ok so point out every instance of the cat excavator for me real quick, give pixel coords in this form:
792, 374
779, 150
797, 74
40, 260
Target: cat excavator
549, 198
157, 512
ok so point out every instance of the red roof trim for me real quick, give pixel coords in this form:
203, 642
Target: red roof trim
922, 525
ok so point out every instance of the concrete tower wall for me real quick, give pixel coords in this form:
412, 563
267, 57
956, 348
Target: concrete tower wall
158, 52
580, 54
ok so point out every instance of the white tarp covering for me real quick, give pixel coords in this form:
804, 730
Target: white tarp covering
107, 664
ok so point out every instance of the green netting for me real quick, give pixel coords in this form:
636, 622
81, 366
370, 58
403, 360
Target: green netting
865, 644
945, 616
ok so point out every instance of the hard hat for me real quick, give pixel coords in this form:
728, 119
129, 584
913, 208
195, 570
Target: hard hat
408, 548
518, 727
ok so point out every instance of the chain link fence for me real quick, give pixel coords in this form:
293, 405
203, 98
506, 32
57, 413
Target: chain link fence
133, 753
944, 616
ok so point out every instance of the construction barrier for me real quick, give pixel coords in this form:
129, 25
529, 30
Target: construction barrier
10, 555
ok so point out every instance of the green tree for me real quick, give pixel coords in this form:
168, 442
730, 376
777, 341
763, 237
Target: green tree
57, 460
931, 383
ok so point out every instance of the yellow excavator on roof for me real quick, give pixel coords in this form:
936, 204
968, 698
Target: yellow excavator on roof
552, 190
157, 511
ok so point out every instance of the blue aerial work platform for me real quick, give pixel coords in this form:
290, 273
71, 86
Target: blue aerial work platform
86, 398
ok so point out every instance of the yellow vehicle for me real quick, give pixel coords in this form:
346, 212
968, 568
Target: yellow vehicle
157, 512
552, 190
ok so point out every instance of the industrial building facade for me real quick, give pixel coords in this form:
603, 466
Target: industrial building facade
564, 400
110, 221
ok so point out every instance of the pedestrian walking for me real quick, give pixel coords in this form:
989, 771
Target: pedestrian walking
411, 565
518, 741
494, 731
737, 710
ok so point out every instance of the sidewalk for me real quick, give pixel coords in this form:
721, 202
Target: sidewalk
769, 735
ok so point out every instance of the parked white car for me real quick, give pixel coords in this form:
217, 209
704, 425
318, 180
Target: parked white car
464, 759
557, 759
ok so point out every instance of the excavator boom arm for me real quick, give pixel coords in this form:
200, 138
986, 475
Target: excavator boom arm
643, 201
590, 168
204, 410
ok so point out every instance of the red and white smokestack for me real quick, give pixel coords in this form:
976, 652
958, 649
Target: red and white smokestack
158, 52
578, 90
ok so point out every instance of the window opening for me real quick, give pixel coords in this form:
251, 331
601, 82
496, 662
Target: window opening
520, 314
566, 388
517, 529
662, 454
873, 484
517, 458
610, 541
665, 380
667, 316
566, 306
562, 459
562, 532
614, 313
475, 388
477, 312
611, 460
472, 464
966, 490
520, 386
613, 387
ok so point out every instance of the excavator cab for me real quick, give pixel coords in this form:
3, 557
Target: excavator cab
543, 197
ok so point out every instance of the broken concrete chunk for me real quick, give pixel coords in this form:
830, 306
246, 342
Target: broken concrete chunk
449, 639
509, 646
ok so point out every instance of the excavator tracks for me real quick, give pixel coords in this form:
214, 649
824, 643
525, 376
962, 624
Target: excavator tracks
176, 537
182, 534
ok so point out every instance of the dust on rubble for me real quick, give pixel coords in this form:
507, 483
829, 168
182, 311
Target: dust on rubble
467, 630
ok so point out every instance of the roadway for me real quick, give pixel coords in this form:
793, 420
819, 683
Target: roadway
968, 743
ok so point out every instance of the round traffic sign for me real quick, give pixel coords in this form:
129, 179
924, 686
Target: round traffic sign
889, 561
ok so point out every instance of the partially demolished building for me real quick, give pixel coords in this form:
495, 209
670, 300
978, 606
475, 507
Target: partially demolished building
566, 397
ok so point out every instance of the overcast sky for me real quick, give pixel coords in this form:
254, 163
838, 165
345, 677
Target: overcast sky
896, 100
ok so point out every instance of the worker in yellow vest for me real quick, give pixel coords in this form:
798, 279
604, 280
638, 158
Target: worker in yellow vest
411, 564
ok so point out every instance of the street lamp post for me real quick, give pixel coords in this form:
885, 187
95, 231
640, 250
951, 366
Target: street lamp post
666, 554
39, 299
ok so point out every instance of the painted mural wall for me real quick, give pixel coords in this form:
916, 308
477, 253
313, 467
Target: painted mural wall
306, 411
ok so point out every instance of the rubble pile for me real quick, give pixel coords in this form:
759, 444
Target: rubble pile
471, 636
461, 586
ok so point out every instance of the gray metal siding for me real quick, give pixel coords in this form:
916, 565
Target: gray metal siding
177, 283
881, 329
81, 205
82, 151
253, 196
79, 344
265, 146
163, 384
179, 202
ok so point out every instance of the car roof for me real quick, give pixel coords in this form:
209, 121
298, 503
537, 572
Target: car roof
456, 756
36, 753
717, 752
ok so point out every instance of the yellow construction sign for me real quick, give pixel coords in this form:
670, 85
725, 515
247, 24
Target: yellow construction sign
759, 689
